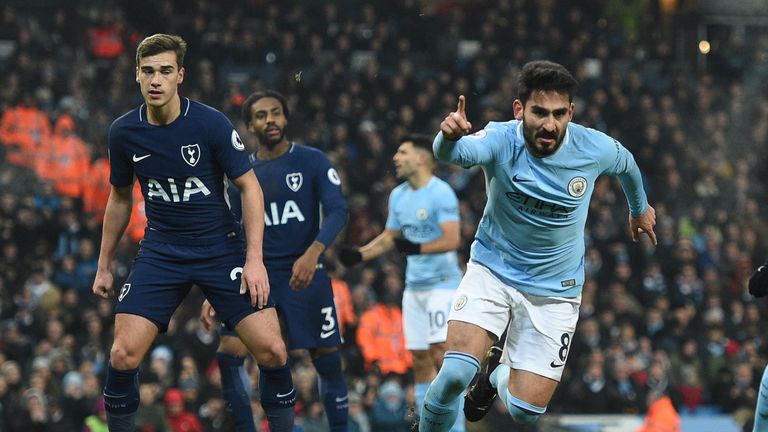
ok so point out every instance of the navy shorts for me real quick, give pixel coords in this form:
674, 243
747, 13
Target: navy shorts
163, 273
308, 316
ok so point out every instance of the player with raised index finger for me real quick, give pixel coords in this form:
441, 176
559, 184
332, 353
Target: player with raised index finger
526, 267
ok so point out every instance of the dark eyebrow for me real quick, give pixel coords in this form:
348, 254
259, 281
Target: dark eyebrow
275, 109
540, 110
151, 68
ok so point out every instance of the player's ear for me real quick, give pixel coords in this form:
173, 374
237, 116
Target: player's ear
182, 71
137, 74
517, 108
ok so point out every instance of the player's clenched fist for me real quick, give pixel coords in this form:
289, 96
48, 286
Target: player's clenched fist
455, 125
102, 283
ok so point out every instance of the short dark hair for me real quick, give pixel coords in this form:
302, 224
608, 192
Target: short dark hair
419, 141
260, 94
545, 75
159, 43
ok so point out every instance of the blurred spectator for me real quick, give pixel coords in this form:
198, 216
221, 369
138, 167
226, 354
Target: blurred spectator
151, 417
98, 421
75, 405
342, 298
389, 410
106, 35
661, 416
96, 187
214, 418
624, 395
313, 419
161, 364
34, 414
690, 391
590, 394
358, 419
23, 129
742, 390
380, 337
65, 159
180, 419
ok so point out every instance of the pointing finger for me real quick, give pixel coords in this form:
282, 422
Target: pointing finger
460, 107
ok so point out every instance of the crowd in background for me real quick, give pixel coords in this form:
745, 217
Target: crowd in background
675, 319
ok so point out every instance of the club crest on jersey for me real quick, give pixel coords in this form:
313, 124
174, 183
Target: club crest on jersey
123, 292
577, 186
460, 302
421, 214
191, 154
294, 181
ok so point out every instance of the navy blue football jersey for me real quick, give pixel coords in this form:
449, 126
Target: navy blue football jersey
302, 202
182, 168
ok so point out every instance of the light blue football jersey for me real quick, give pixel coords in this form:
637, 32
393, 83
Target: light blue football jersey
418, 213
531, 234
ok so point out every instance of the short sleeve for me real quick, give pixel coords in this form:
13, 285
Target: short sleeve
227, 146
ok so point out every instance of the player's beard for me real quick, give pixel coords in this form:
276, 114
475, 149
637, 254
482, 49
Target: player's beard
530, 134
273, 141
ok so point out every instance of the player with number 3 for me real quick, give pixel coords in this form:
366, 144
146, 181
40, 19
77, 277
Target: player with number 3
303, 213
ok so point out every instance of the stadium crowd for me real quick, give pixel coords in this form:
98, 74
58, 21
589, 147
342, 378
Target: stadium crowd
675, 319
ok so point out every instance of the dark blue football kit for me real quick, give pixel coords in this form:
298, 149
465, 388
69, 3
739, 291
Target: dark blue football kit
303, 202
192, 237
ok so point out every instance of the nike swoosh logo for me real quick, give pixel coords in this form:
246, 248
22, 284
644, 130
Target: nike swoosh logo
555, 365
280, 395
325, 335
515, 178
341, 399
140, 158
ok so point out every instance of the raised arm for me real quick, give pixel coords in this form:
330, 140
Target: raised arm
454, 126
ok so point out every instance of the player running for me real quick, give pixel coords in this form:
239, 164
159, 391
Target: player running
526, 267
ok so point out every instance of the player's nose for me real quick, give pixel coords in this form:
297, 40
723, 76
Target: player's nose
549, 124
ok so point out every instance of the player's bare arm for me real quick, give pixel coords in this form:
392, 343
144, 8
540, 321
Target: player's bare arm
304, 267
380, 245
254, 278
450, 239
643, 224
116, 217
